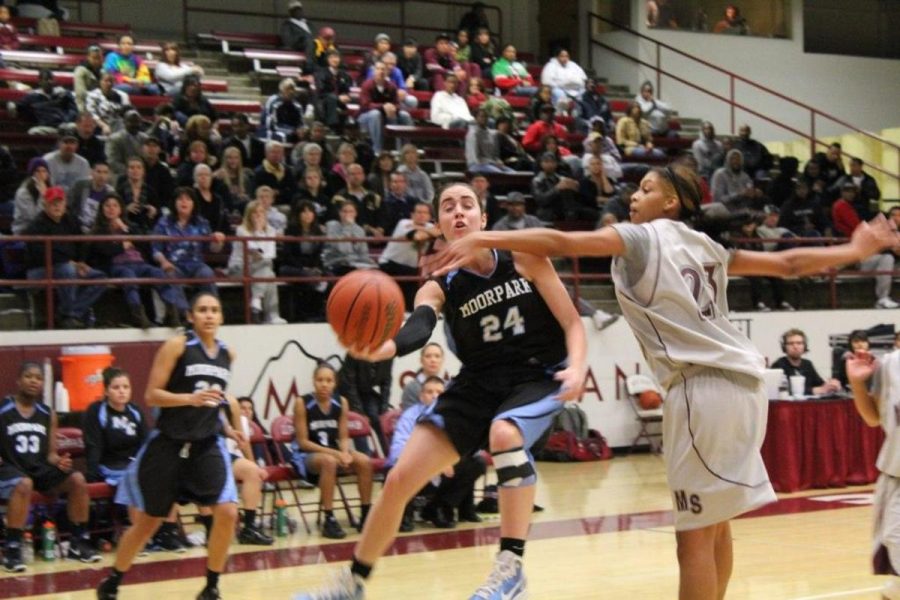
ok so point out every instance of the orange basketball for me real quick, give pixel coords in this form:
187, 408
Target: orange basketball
649, 400
365, 308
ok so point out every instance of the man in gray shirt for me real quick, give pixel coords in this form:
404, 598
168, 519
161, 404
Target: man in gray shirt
65, 165
516, 218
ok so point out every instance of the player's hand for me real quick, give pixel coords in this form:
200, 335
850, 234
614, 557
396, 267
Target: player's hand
874, 236
239, 437
860, 366
205, 399
454, 255
384, 352
346, 459
572, 380
448, 472
65, 463
263, 474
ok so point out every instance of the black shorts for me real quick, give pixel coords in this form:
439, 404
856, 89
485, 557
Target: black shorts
166, 471
472, 401
45, 478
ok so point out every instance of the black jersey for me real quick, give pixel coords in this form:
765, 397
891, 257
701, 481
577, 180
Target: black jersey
112, 438
24, 442
322, 427
500, 320
194, 371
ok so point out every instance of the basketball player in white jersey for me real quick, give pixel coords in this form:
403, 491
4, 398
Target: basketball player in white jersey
671, 283
878, 403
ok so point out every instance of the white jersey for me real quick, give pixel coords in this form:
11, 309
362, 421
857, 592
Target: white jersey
886, 390
671, 284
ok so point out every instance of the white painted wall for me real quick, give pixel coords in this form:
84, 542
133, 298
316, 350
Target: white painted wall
861, 91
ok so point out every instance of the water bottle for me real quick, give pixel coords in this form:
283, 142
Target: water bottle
280, 517
48, 541
27, 548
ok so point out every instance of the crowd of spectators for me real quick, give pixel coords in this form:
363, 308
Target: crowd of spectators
314, 165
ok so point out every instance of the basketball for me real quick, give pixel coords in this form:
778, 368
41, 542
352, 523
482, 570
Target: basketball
365, 308
649, 400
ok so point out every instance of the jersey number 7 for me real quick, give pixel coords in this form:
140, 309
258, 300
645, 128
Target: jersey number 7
703, 288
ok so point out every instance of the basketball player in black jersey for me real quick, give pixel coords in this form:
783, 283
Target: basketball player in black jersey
523, 350
184, 458
30, 462
323, 447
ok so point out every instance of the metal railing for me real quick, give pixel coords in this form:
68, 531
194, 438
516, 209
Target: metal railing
577, 278
187, 9
731, 99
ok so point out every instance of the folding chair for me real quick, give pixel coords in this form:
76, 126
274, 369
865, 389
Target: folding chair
283, 435
359, 428
276, 473
649, 420
388, 424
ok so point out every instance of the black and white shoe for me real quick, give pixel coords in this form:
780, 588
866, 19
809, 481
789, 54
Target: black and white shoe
12, 559
83, 551
254, 537
209, 593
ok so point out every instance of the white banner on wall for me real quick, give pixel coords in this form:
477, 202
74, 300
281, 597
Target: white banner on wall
275, 363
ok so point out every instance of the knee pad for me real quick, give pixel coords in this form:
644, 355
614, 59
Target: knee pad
515, 468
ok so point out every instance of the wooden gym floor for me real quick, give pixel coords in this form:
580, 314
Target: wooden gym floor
605, 533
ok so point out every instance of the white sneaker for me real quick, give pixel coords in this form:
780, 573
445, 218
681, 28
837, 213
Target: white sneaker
761, 307
506, 581
197, 538
276, 320
343, 586
785, 306
603, 319
886, 302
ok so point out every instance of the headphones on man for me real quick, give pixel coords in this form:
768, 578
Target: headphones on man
791, 333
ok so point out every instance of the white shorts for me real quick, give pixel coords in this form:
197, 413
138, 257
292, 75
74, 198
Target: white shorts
714, 422
886, 541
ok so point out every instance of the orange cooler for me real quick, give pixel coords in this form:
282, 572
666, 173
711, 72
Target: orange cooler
82, 373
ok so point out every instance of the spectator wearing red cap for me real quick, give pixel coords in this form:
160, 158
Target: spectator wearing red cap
73, 302
27, 202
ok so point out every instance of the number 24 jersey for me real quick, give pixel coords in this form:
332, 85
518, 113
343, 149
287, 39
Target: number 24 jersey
500, 320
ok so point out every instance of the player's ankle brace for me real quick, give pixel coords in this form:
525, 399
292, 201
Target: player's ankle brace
514, 468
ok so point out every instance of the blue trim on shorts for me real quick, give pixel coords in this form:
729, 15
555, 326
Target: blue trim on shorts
533, 419
129, 489
112, 476
229, 492
8, 486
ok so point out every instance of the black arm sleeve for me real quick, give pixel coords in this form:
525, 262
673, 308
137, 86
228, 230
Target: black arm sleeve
416, 331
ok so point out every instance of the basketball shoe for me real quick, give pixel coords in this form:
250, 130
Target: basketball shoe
343, 586
506, 581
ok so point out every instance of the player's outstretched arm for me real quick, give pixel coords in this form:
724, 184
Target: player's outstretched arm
860, 368
538, 241
868, 239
